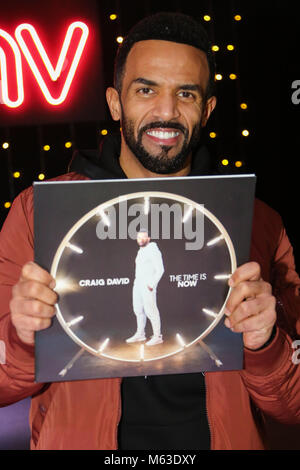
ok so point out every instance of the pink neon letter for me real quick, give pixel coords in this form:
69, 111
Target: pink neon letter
19, 75
53, 73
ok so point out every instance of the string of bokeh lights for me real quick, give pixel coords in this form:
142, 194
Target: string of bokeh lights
225, 161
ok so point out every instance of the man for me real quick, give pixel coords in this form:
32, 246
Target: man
163, 97
149, 269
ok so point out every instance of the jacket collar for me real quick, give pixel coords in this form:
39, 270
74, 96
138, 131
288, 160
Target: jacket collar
104, 163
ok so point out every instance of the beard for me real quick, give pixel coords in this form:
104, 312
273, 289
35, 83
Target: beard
161, 163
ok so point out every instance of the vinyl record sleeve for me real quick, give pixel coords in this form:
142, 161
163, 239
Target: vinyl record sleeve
142, 268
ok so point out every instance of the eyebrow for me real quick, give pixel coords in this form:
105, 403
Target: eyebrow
186, 86
144, 81
191, 87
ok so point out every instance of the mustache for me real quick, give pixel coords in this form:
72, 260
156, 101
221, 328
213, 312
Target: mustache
164, 125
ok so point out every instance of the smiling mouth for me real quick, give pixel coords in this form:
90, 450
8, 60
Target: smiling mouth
164, 137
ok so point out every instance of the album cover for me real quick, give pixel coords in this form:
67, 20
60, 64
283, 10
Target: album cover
141, 269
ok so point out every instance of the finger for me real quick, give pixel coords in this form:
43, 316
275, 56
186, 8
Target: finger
248, 309
262, 321
26, 323
246, 290
34, 272
246, 272
31, 308
35, 290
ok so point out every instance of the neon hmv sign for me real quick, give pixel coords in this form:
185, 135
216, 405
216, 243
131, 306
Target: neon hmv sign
28, 43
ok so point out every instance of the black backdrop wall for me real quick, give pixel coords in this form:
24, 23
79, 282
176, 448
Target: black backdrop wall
264, 60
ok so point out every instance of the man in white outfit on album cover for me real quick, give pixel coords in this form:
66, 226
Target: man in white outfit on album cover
149, 269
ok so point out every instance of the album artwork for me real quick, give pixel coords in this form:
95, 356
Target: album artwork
141, 269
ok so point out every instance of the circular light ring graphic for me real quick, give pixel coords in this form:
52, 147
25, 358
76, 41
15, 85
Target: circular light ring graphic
101, 208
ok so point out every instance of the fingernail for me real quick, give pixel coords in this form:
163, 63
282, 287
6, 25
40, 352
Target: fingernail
231, 283
227, 323
52, 284
227, 312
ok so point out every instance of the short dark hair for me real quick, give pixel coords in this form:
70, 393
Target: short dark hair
143, 230
166, 26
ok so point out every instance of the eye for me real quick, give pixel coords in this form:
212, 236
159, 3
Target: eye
146, 91
187, 95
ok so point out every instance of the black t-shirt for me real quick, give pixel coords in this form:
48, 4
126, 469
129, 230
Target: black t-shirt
166, 412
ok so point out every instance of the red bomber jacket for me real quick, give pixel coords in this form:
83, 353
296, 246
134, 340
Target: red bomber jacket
85, 414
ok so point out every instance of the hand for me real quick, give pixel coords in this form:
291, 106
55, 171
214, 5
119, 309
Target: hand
251, 306
32, 303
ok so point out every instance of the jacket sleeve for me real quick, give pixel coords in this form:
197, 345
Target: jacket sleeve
271, 248
158, 265
286, 286
272, 378
272, 375
16, 248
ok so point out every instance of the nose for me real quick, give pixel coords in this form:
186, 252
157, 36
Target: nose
166, 107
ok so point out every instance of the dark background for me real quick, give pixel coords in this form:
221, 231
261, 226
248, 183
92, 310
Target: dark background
265, 60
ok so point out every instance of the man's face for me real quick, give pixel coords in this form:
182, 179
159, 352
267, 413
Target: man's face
162, 107
142, 238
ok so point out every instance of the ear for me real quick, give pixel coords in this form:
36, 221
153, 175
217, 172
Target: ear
209, 107
113, 101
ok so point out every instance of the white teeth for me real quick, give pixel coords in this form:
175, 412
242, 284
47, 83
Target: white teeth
163, 135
